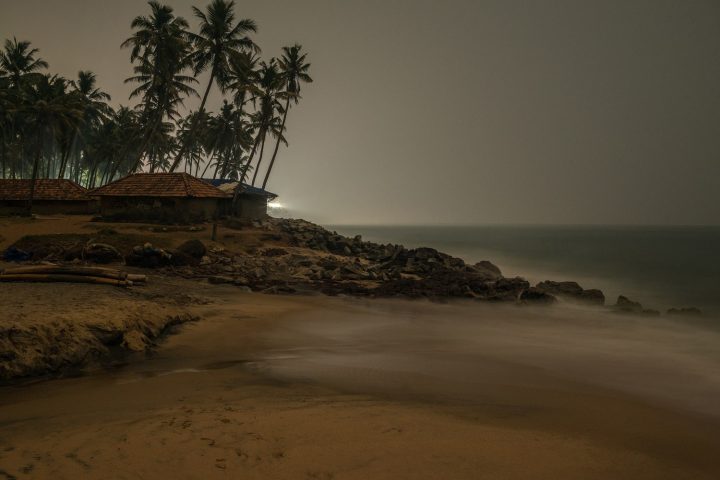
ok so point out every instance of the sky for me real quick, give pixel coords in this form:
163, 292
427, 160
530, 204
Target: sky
461, 111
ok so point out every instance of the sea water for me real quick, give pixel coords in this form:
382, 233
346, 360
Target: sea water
661, 267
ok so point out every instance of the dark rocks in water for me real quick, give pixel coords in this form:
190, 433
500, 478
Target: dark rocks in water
101, 253
625, 305
535, 295
193, 248
572, 290
685, 311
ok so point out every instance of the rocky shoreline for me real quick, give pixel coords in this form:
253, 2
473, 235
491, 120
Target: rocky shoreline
299, 256
275, 256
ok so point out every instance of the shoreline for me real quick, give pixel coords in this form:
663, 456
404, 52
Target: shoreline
273, 256
323, 387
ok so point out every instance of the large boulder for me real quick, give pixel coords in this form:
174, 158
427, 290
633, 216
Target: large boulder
488, 268
193, 248
625, 305
573, 291
534, 295
101, 253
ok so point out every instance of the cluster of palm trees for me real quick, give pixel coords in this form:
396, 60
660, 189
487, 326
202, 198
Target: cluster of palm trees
52, 127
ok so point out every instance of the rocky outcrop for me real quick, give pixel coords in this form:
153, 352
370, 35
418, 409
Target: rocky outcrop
537, 296
573, 291
627, 306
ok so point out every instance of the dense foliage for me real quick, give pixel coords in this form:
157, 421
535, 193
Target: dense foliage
53, 127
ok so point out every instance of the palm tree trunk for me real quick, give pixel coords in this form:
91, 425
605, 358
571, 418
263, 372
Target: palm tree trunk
194, 124
33, 179
249, 160
66, 156
277, 144
262, 149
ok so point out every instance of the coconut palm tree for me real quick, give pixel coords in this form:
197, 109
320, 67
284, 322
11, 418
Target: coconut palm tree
266, 119
294, 71
46, 110
95, 111
159, 47
18, 61
220, 38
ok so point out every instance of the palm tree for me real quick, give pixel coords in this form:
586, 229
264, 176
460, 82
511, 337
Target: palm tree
265, 119
17, 61
48, 108
294, 71
160, 46
95, 111
19, 65
220, 38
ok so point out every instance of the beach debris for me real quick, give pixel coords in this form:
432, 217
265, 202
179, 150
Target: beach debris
70, 274
148, 256
574, 291
14, 254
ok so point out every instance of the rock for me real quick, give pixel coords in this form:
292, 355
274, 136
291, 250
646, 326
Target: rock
535, 295
148, 256
685, 311
193, 248
101, 253
489, 268
274, 252
572, 290
625, 305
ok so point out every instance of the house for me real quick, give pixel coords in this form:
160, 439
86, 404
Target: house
163, 197
51, 196
252, 202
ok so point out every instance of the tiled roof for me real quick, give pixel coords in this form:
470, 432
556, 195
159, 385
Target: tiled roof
45, 189
229, 186
159, 185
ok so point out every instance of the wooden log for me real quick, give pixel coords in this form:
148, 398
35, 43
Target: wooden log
37, 277
136, 278
68, 270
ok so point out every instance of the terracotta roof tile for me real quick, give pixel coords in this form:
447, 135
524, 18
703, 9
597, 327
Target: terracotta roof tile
159, 185
45, 189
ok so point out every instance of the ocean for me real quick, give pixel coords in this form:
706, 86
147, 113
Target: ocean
661, 267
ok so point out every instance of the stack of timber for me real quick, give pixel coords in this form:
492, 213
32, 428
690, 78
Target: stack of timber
71, 274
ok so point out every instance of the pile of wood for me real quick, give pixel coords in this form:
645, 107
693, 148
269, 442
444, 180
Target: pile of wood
71, 274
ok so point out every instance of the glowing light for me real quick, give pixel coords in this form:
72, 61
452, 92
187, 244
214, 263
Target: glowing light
275, 205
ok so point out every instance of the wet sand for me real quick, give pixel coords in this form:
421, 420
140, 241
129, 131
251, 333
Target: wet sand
319, 388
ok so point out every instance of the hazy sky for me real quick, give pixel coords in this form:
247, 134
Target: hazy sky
557, 111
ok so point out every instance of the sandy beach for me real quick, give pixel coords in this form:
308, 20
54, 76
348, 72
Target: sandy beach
320, 388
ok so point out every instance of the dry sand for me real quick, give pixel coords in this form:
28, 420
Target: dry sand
319, 388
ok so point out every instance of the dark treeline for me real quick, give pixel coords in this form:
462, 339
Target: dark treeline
54, 127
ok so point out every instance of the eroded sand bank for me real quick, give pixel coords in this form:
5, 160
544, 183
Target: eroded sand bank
317, 388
